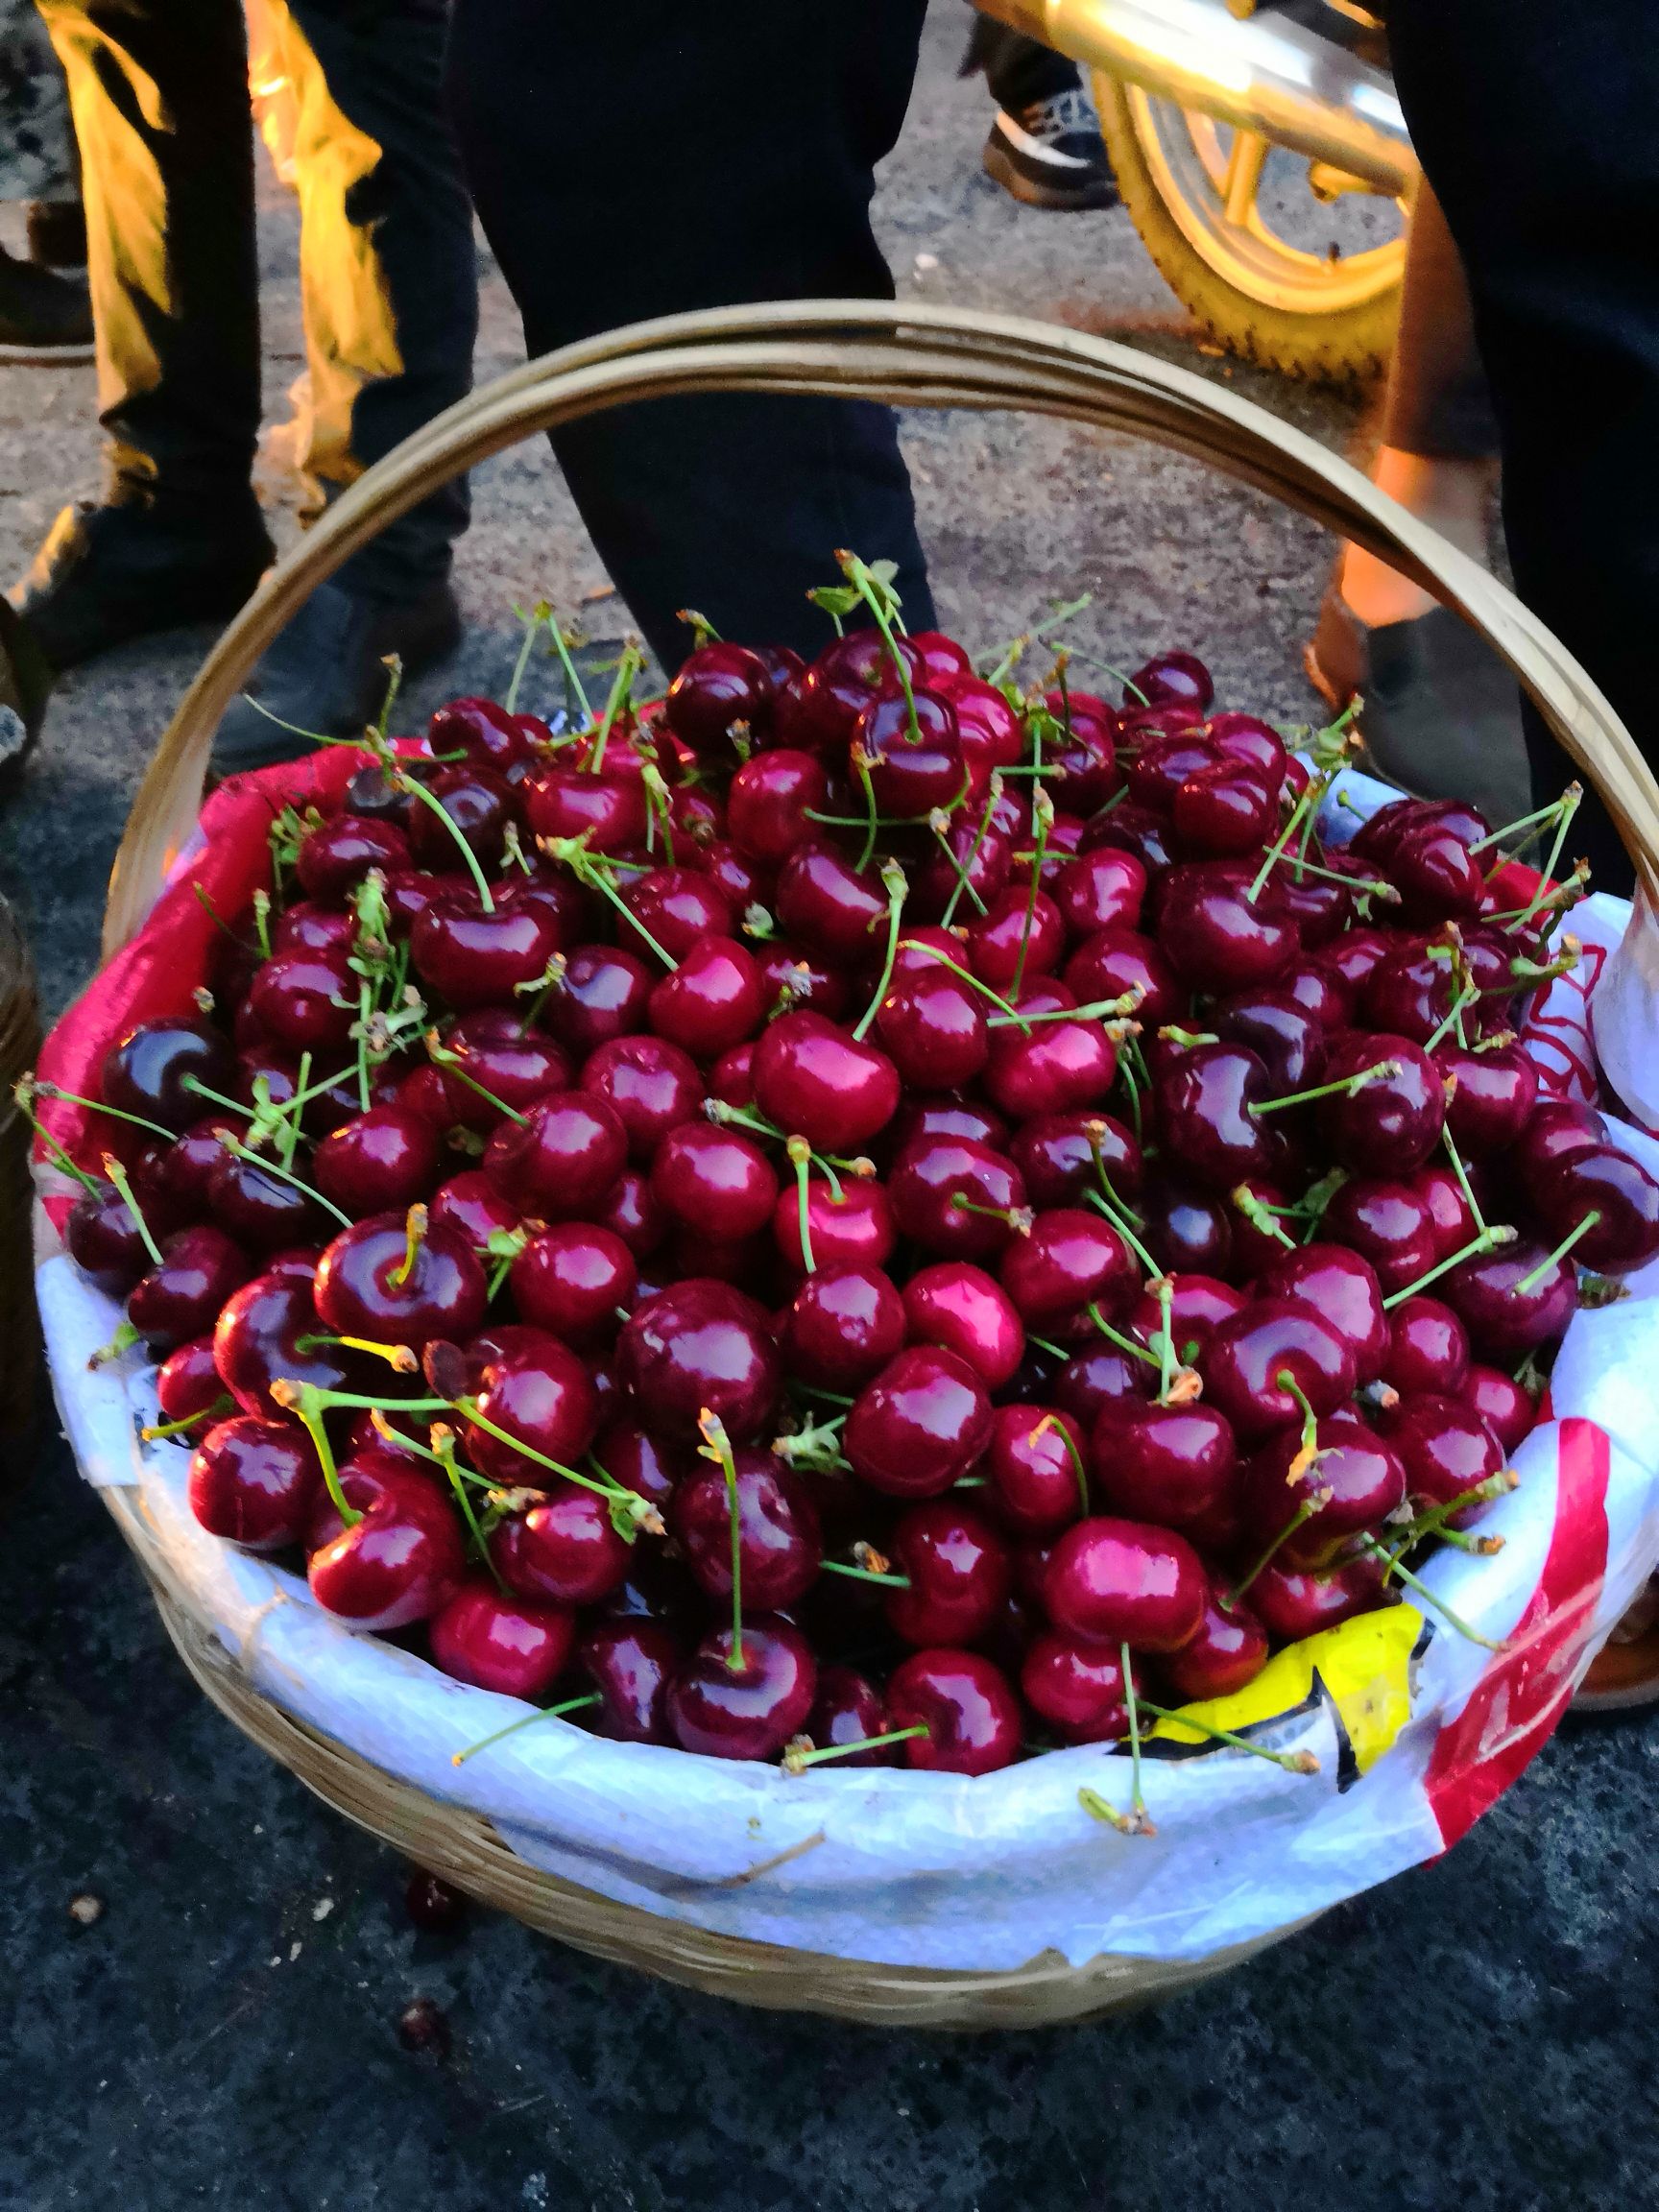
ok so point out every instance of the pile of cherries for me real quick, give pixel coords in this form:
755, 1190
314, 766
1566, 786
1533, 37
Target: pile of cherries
855, 1210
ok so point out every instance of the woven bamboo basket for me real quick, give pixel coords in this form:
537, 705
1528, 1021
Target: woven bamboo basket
907, 356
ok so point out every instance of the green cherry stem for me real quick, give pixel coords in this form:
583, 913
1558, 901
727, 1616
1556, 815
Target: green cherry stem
716, 1445
797, 1762
1375, 1550
97, 1106
308, 1404
532, 622
23, 1091
435, 805
1349, 1084
866, 1574
800, 1160
1488, 1241
1293, 1762
1530, 1281
1304, 1512
864, 584
543, 1713
893, 879
621, 691
1054, 1422
1462, 1174
1043, 814
222, 1406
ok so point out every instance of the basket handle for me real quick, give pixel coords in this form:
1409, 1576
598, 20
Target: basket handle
907, 355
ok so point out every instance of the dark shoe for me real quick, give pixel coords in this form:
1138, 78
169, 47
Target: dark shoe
43, 316
58, 234
1051, 155
107, 574
1441, 713
327, 673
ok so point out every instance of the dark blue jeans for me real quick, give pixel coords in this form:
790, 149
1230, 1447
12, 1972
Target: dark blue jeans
1538, 126
633, 161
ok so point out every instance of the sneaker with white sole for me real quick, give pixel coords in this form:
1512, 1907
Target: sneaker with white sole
1051, 155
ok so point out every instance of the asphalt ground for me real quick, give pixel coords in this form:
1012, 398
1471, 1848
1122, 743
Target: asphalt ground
1477, 2034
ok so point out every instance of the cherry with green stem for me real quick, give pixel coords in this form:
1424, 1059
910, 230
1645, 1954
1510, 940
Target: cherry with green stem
993, 798
239, 1150
444, 1453
876, 1575
1043, 814
1137, 1821
1372, 1549
874, 585
23, 1090
628, 667
594, 875
439, 1054
1016, 647
799, 1757
308, 1404
936, 952
1487, 1240
1379, 1072
1261, 1216
1053, 1421
39, 1089
1305, 1512
716, 1445
1530, 1281
533, 621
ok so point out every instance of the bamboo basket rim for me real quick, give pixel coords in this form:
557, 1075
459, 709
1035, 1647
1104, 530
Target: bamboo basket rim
910, 355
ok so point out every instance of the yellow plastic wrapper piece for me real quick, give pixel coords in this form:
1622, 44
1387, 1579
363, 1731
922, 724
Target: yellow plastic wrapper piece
1364, 1667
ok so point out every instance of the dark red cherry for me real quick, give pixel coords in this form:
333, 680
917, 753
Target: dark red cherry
750, 1709
1512, 1300
563, 1551
958, 1308
473, 958
514, 1645
606, 812
817, 1082
1100, 889
1342, 1289
1436, 877
1292, 1604
1555, 1130
911, 753
1198, 1305
1411, 993
1283, 1034
335, 856
602, 994
1493, 1096
401, 1562
1137, 829
700, 1345
258, 1338
1443, 1445
1171, 679
382, 1160
484, 732
933, 1029
1186, 1231
673, 908
1427, 1349
480, 805
711, 1002
183, 1295
953, 1197
650, 1084
1016, 936
260, 1210
970, 1714
1115, 963
255, 1483
1068, 1259
1245, 1360
845, 1325
959, 1571
1205, 1103
767, 803
920, 1424
641, 1461
630, 1663
1171, 1464
1164, 763
779, 1541
397, 1280
854, 1227
1393, 1122
1224, 809
1389, 1224
969, 862
949, 1113
498, 1055
630, 1210
828, 906
1215, 936
1356, 1480
1452, 1222
104, 1240
1080, 761
188, 1387
304, 1002
573, 1280
714, 1180
1114, 1581
1502, 1403
1098, 1377
538, 1396
154, 1069
1226, 1655
1055, 1154
1618, 1191
1075, 1686
470, 1203
1252, 742
719, 689
849, 1709
562, 1158
1057, 1067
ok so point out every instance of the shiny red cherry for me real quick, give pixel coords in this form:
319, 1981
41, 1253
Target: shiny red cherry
920, 1424
967, 1706
650, 1084
1115, 963
1389, 1224
767, 803
1502, 1403
566, 1550
602, 994
832, 910
401, 1561
817, 1082
1016, 936
720, 689
1037, 1463
932, 1028
1205, 1101
335, 856
958, 1307
630, 1663
959, 1572
606, 812
1357, 1480
849, 1709
1215, 936
1245, 1361
1444, 1447
1226, 1655
1292, 1603
540, 1396
381, 1161
473, 958
574, 1280
1393, 1122
1511, 1300
397, 1279
1068, 1259
255, 1483
844, 1324
954, 1197
1114, 1581
562, 1158
1609, 1199
1342, 1289
1171, 1464
711, 1002
714, 1180
1187, 1231
153, 1070
1427, 1349
1076, 1686
701, 1345
780, 1543
514, 1645
1055, 1068
854, 1227
183, 1295
258, 1338
750, 1709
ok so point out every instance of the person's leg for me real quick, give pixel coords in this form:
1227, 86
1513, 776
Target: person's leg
1539, 127
1045, 146
1440, 715
754, 127
390, 293
159, 99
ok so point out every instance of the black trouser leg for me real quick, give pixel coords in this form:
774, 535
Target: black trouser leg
1439, 404
158, 90
1017, 69
634, 162
388, 269
1538, 125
